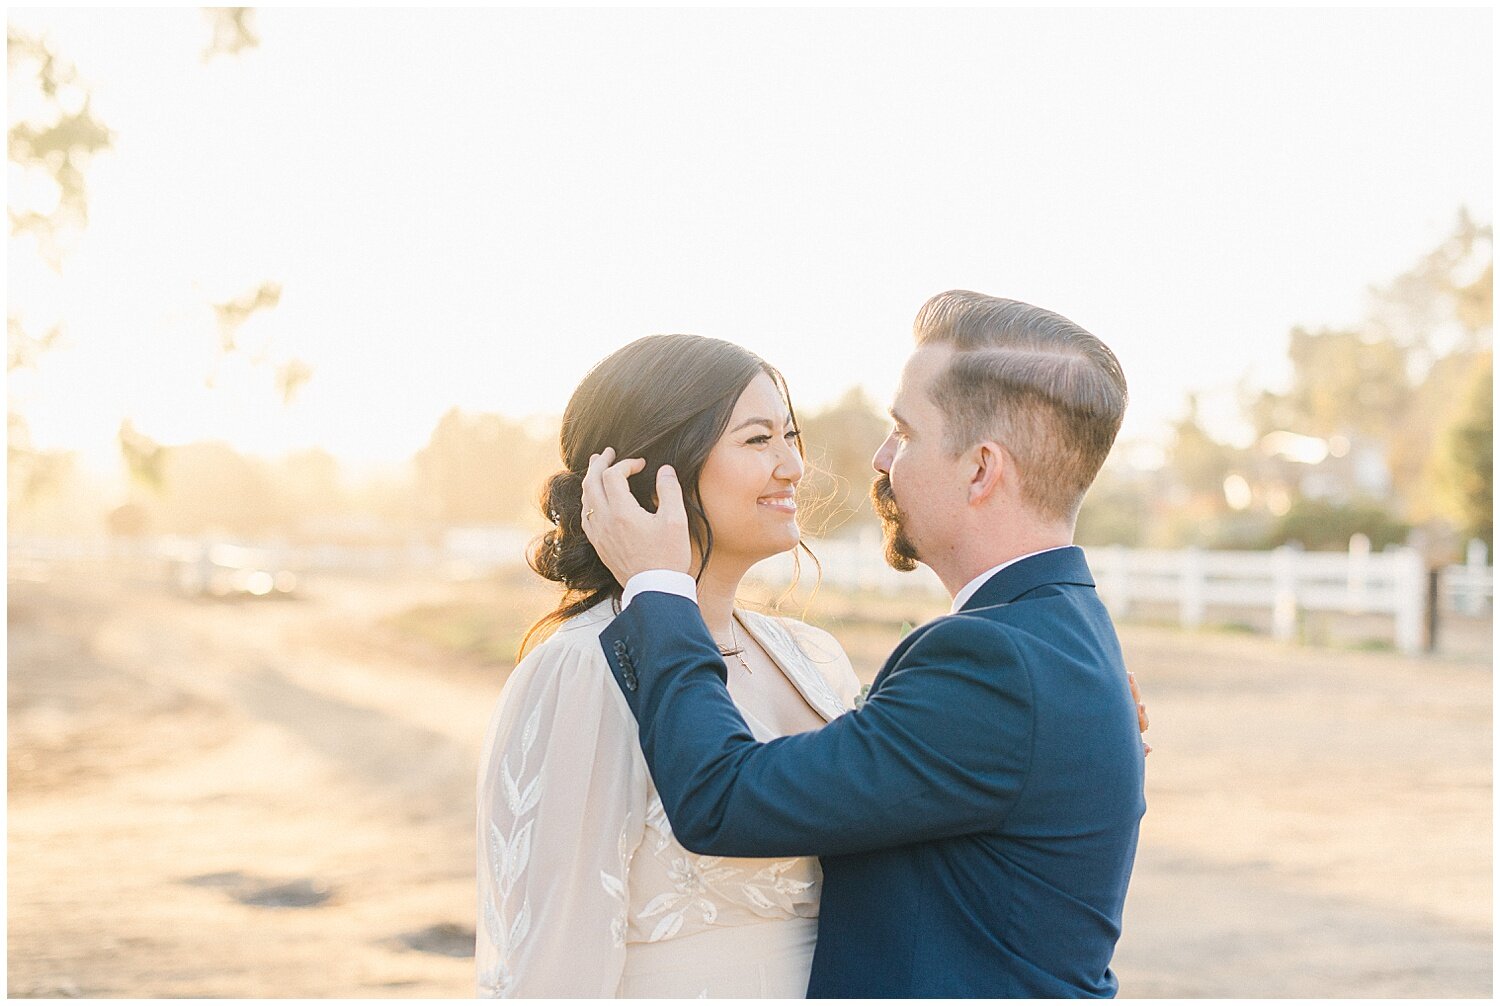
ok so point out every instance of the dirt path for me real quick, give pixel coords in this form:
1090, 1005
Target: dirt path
267, 799
208, 800
1318, 823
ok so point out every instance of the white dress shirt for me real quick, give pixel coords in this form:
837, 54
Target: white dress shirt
972, 587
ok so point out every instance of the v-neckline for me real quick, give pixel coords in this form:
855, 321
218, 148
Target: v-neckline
819, 704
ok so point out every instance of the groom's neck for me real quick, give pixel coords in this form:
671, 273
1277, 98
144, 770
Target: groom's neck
984, 547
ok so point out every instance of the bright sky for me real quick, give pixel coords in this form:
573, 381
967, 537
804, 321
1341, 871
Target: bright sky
472, 207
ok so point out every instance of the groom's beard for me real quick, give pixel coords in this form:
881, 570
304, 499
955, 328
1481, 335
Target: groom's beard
900, 553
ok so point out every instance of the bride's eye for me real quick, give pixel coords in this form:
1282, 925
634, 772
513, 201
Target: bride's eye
793, 434
764, 438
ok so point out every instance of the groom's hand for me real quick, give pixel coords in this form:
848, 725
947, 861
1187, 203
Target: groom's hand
628, 539
1141, 719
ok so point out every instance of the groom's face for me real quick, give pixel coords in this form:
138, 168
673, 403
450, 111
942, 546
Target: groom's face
918, 493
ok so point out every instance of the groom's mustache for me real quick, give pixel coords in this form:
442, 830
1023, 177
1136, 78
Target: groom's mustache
883, 499
900, 553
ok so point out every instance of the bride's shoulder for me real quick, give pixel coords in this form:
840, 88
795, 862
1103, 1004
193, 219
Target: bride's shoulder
584, 628
574, 641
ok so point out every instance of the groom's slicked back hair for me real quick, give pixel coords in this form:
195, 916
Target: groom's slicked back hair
1046, 389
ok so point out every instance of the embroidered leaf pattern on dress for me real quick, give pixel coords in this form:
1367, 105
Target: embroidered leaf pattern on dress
510, 855
520, 852
656, 820
798, 666
522, 926
612, 885
650, 889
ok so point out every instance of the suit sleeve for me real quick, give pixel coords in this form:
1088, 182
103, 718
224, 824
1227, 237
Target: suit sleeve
941, 747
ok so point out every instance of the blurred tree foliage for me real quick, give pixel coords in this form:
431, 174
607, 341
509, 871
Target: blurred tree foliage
233, 31
1199, 462
54, 145
1325, 525
482, 469
1117, 509
1344, 382
1400, 388
50, 145
145, 459
1466, 467
840, 441
209, 488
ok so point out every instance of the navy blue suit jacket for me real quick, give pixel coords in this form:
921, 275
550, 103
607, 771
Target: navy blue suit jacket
976, 818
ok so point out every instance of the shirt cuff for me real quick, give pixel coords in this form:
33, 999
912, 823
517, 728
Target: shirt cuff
667, 581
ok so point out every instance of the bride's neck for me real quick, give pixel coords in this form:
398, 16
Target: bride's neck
716, 590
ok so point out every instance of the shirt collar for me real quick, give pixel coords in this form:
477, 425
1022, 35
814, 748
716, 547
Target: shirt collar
970, 588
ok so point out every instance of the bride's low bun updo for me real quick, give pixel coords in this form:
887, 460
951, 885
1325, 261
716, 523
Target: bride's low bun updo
564, 554
665, 398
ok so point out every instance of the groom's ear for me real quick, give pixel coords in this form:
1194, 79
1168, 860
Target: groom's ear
992, 467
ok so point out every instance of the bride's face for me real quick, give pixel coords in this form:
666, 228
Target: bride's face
748, 484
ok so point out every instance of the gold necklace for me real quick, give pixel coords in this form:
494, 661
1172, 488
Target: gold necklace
738, 653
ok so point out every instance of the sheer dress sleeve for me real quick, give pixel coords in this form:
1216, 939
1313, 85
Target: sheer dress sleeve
561, 801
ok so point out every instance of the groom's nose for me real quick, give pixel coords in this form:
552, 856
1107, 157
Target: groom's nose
881, 462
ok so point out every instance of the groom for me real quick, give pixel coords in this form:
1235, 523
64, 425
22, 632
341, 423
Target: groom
977, 816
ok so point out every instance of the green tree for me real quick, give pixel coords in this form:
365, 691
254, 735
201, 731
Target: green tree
1397, 378
1117, 509
1343, 383
481, 469
1466, 466
1197, 461
1325, 525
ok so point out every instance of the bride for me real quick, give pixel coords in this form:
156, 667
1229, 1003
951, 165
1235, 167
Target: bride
583, 892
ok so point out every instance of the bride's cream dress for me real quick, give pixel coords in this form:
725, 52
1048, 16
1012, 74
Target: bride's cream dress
583, 892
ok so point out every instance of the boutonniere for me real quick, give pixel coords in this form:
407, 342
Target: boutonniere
859, 700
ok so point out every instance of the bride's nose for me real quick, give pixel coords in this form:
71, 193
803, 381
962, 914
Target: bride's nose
790, 466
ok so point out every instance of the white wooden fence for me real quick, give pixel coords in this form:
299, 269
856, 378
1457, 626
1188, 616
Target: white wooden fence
1286, 581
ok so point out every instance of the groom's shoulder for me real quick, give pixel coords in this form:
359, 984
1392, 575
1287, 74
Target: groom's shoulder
959, 627
961, 637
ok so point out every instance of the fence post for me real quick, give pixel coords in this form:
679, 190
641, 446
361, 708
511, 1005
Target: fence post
1410, 583
1284, 593
1114, 580
1471, 598
1191, 606
1359, 573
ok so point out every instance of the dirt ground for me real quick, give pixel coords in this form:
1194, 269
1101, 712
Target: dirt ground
274, 798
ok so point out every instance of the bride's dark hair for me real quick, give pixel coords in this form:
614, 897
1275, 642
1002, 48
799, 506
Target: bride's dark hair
665, 398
